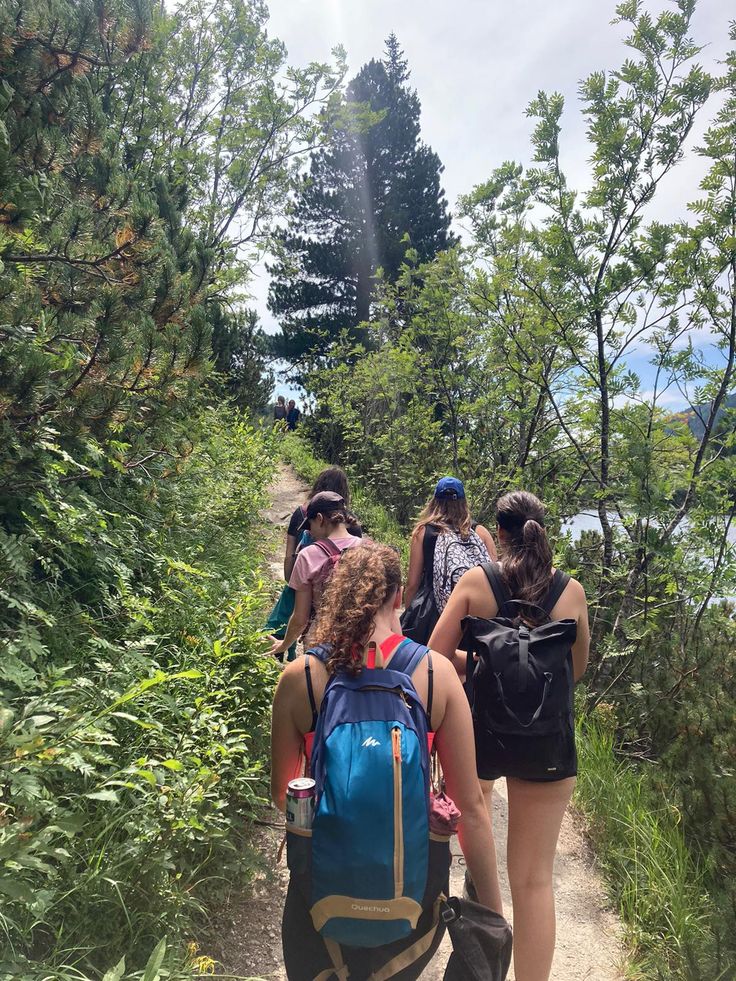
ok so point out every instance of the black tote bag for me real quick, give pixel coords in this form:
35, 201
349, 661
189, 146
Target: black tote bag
420, 617
481, 942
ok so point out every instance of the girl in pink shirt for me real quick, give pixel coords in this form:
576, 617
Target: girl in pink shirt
326, 520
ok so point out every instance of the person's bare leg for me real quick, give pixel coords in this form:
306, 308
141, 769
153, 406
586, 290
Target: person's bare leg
487, 787
535, 815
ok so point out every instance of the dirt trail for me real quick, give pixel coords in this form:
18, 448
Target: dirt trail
588, 943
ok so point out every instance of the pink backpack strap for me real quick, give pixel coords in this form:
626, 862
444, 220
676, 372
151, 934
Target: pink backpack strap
333, 553
327, 546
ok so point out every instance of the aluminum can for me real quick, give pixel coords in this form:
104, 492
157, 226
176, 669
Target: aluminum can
300, 795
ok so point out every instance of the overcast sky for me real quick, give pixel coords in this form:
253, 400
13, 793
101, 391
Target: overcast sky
476, 64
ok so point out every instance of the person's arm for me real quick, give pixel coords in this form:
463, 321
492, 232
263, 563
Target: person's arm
416, 565
487, 538
581, 647
290, 557
293, 537
456, 748
298, 621
286, 738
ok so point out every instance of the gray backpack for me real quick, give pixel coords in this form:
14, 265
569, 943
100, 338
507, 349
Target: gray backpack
453, 556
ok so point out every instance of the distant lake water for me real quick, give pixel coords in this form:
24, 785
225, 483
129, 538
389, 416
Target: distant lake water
589, 521
585, 521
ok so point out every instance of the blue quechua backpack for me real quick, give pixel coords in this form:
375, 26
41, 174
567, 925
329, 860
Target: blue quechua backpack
370, 835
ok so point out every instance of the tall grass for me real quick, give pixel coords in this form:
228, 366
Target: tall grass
656, 882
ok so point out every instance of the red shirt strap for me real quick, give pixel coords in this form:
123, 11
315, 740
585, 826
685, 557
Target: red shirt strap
389, 645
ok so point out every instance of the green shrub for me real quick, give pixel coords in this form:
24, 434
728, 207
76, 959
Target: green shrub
134, 726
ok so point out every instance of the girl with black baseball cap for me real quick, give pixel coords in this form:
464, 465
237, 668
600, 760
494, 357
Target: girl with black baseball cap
326, 519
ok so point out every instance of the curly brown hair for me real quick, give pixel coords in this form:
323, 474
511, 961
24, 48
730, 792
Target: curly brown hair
365, 578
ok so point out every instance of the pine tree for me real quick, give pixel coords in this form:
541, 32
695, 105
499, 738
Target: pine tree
240, 350
372, 193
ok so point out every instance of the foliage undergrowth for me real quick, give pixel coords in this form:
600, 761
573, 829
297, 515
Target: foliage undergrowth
134, 713
377, 519
656, 881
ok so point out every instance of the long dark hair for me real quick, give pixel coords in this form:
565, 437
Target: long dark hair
526, 556
332, 479
365, 578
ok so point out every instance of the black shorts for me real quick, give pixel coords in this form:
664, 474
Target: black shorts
541, 759
305, 954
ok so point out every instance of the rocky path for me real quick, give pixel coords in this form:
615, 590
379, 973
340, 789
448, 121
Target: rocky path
588, 944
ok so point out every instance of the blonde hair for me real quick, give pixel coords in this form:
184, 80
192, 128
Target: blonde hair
450, 514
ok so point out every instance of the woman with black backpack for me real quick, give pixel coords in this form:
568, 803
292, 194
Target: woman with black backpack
528, 638
445, 543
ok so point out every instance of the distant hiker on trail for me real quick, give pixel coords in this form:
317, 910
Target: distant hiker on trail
445, 543
279, 410
523, 669
366, 856
326, 520
292, 415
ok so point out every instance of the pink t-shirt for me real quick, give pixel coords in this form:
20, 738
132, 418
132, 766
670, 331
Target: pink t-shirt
310, 561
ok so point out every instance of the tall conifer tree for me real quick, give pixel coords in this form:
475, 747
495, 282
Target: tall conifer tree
372, 192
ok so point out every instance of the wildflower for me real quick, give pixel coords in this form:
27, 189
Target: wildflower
203, 965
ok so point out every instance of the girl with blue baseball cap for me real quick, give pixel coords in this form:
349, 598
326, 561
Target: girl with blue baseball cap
445, 543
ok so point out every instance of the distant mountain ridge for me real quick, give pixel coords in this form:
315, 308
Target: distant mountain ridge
697, 416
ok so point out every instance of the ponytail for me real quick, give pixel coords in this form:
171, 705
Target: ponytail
525, 550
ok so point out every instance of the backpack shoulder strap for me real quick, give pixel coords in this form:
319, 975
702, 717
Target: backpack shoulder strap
431, 533
327, 546
310, 692
430, 687
556, 589
498, 586
321, 652
406, 658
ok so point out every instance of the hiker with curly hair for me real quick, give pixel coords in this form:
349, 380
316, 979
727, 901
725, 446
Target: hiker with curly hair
363, 708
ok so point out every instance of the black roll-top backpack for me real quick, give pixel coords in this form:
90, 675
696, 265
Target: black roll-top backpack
522, 683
